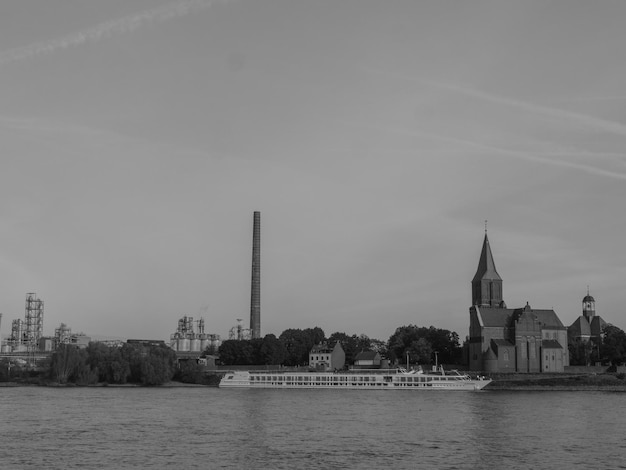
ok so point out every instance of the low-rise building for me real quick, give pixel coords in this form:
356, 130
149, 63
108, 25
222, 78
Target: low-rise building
367, 360
325, 357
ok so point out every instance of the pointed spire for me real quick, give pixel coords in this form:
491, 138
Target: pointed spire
487, 283
486, 265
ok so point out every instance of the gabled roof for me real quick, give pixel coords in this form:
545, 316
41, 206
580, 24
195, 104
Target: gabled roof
486, 266
597, 325
548, 318
367, 356
494, 316
580, 327
551, 344
503, 317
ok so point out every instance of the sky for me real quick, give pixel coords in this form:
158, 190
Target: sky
137, 138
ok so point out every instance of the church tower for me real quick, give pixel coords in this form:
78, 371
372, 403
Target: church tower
487, 283
589, 307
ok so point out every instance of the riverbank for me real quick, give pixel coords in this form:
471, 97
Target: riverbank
553, 382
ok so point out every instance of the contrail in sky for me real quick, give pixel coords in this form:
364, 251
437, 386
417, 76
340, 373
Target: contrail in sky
539, 157
126, 24
560, 115
580, 119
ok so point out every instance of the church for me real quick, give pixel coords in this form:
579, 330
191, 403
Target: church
588, 326
502, 339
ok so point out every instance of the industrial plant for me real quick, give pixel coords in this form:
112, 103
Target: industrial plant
27, 339
26, 334
186, 339
190, 339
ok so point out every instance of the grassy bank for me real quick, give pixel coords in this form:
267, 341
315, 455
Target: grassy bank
615, 382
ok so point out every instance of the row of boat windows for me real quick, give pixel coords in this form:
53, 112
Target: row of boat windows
350, 379
329, 379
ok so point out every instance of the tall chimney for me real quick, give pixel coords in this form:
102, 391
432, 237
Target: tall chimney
255, 298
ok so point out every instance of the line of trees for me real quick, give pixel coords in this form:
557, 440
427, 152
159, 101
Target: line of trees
425, 345
98, 363
292, 347
157, 364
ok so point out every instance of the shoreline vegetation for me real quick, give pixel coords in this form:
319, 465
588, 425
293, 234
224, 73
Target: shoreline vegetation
558, 382
501, 382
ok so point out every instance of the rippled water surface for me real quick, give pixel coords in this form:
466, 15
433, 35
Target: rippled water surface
299, 429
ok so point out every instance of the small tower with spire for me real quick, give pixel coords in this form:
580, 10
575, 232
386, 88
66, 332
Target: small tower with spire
487, 283
589, 306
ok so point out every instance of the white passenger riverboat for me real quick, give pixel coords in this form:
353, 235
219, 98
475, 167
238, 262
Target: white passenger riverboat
371, 379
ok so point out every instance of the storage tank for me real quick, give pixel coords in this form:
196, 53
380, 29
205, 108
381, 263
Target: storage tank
204, 342
215, 341
183, 344
194, 344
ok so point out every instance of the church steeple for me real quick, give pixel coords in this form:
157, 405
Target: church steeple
589, 306
487, 283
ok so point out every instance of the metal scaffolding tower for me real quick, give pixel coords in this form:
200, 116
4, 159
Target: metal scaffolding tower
34, 320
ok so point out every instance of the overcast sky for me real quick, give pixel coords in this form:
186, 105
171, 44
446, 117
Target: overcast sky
137, 138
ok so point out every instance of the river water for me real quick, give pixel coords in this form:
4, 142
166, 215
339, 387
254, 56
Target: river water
306, 429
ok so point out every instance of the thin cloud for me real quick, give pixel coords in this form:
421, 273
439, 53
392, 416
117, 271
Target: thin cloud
583, 120
579, 119
589, 99
107, 29
539, 157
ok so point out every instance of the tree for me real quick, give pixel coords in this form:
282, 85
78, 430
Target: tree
580, 352
421, 351
379, 346
406, 340
298, 344
65, 362
147, 364
158, 366
446, 343
111, 367
272, 351
228, 352
237, 352
133, 355
266, 351
613, 347
190, 372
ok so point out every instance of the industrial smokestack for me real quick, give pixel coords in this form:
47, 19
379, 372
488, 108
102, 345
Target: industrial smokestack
255, 297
